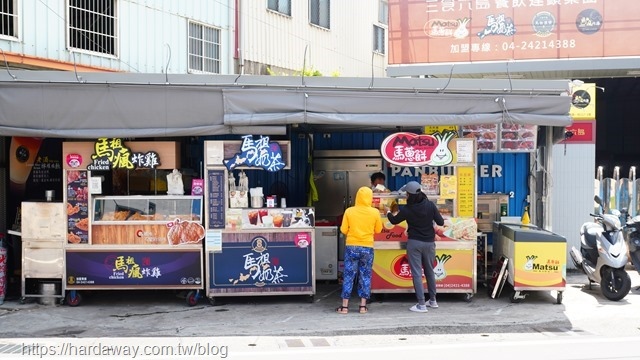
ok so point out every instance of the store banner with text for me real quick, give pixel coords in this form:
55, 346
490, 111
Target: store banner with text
583, 102
583, 133
433, 31
134, 268
453, 269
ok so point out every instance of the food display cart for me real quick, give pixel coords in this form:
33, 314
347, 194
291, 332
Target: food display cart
257, 250
119, 241
454, 194
536, 259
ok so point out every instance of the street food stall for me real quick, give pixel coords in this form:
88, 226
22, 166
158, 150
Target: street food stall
535, 258
454, 193
126, 226
254, 247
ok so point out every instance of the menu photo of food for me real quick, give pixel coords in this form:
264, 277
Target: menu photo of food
518, 138
77, 207
78, 229
185, 232
465, 229
429, 184
486, 136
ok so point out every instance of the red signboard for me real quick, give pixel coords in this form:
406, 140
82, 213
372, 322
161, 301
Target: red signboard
583, 133
434, 31
408, 149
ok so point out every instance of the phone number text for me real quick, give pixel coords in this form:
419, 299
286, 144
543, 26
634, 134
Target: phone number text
539, 45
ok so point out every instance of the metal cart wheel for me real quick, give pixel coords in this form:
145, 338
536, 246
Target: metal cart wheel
212, 301
73, 298
193, 297
516, 297
310, 299
468, 297
559, 298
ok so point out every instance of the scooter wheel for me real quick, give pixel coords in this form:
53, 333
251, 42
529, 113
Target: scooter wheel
615, 284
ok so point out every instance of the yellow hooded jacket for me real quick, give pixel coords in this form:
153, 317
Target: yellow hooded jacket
361, 221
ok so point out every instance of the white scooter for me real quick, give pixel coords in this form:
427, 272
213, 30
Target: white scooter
633, 239
603, 254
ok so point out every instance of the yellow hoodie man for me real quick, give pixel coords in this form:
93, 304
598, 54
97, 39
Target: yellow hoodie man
359, 223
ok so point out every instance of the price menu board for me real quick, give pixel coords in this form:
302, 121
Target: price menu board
466, 191
215, 205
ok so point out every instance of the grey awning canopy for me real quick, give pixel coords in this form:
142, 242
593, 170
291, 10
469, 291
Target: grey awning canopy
90, 105
249, 107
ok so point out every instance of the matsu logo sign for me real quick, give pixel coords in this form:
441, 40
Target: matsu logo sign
408, 149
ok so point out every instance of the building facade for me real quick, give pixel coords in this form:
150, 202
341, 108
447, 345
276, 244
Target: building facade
114, 35
196, 36
333, 38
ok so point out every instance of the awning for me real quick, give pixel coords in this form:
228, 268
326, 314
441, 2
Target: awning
385, 109
89, 105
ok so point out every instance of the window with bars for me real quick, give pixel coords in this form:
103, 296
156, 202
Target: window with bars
319, 13
378, 39
9, 18
93, 26
383, 12
204, 49
281, 6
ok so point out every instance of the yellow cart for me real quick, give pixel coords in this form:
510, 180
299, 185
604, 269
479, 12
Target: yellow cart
537, 259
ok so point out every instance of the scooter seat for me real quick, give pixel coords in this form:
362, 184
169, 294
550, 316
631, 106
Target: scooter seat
589, 233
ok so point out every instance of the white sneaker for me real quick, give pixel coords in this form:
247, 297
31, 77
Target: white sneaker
432, 304
419, 308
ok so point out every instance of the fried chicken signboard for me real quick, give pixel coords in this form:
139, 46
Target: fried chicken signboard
124, 269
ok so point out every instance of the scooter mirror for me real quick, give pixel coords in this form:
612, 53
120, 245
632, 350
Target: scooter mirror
597, 200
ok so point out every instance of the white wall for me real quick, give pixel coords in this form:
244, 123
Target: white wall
572, 191
346, 48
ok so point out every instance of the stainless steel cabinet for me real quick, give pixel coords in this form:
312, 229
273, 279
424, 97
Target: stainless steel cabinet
43, 237
326, 252
491, 207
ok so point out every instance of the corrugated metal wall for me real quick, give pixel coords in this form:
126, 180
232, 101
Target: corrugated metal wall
497, 173
346, 48
572, 190
505, 173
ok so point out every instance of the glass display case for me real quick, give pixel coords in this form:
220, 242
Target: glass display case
152, 208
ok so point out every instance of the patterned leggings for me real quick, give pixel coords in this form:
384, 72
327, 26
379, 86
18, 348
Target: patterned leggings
357, 260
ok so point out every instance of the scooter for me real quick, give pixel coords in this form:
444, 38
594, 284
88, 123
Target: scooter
633, 241
603, 253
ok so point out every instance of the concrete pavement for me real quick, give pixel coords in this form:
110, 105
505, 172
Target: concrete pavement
163, 313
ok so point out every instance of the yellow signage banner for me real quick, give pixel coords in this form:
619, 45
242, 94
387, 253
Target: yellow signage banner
466, 191
583, 102
432, 129
454, 269
540, 264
